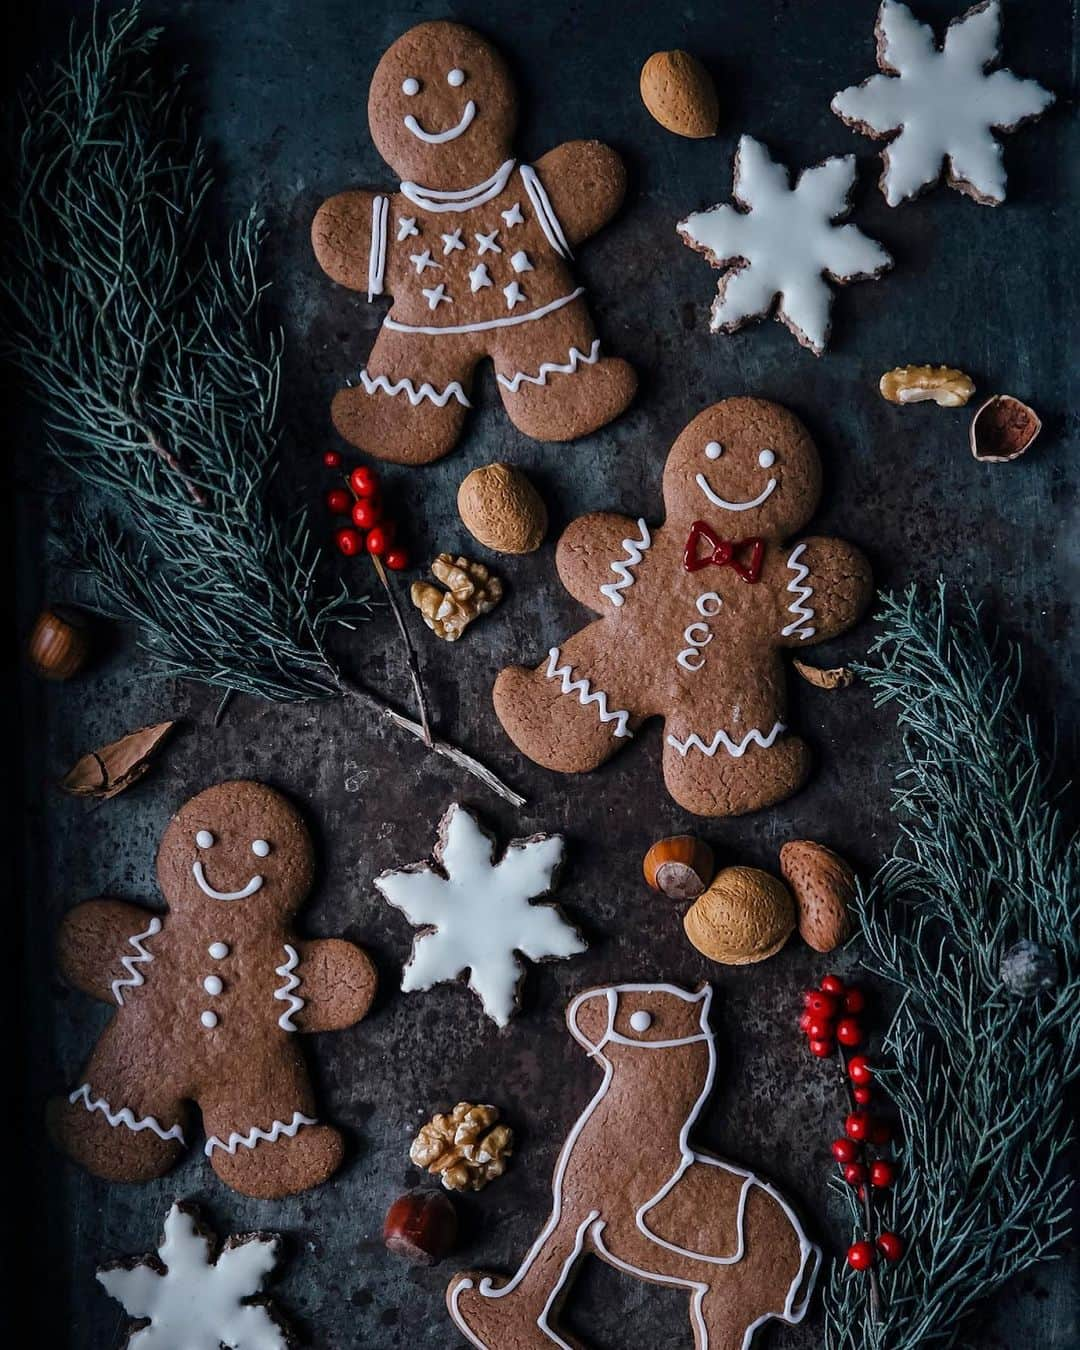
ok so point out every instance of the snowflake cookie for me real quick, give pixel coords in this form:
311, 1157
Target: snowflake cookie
476, 914
938, 105
186, 1298
780, 241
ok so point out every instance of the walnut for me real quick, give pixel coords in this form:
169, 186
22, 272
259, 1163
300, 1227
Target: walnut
471, 590
466, 1147
947, 388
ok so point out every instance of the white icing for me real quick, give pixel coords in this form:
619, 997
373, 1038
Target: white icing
802, 612
480, 913
545, 212
406, 227
204, 839
708, 604
692, 658
514, 382
586, 694
253, 885
640, 1020
124, 1116
519, 261
784, 244
410, 86
412, 393
193, 1303
260, 848
142, 957
634, 549
508, 322
441, 137
486, 243
287, 971
942, 102
766, 459
734, 748
436, 296
451, 242
422, 261
514, 295
713, 450
478, 277
455, 78
690, 631
380, 209
704, 484
463, 200
218, 950
255, 1134
209, 1019
213, 985
513, 216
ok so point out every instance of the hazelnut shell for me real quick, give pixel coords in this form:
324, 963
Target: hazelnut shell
679, 867
1002, 429
824, 886
745, 916
501, 509
679, 93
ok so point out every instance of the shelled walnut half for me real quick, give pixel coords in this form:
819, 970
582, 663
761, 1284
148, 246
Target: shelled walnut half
943, 385
471, 590
466, 1147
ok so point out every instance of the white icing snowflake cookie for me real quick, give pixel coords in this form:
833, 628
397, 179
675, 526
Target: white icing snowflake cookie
941, 105
186, 1299
476, 913
780, 243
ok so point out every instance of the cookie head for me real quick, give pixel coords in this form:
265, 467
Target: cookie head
634, 1015
240, 846
442, 108
745, 466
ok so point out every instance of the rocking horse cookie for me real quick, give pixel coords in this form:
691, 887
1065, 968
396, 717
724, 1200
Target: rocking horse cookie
210, 998
695, 616
474, 247
631, 1190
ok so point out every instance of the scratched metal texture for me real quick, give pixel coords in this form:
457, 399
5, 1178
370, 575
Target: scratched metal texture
283, 86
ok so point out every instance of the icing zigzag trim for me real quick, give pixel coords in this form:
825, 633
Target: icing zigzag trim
415, 396
285, 993
803, 613
249, 1140
622, 568
124, 1116
734, 748
135, 977
514, 382
586, 694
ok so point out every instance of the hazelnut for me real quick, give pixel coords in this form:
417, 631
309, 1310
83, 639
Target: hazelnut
1002, 429
679, 867
679, 93
745, 916
502, 510
824, 887
421, 1226
59, 644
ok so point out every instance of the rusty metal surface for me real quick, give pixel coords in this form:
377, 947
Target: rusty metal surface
284, 87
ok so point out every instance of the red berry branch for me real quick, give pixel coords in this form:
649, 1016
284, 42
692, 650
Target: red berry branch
831, 1023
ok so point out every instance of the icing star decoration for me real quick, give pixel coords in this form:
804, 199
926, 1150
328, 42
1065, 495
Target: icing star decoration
939, 105
779, 242
476, 914
184, 1299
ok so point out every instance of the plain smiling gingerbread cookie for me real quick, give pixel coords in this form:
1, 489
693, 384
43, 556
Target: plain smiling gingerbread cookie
209, 1000
474, 247
695, 616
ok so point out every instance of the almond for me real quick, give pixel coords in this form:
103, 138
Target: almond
500, 507
679, 92
744, 916
824, 887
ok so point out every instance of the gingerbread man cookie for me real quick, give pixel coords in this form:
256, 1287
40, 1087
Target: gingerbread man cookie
474, 247
210, 998
695, 616
630, 1189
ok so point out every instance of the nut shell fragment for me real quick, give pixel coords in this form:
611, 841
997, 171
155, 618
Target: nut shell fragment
824, 887
502, 510
836, 677
745, 916
679, 93
943, 385
1002, 429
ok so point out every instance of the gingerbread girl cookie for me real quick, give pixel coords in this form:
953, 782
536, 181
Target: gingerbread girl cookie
474, 248
695, 616
209, 1000
630, 1189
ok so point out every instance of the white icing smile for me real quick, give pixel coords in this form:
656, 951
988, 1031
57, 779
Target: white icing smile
717, 500
441, 137
204, 886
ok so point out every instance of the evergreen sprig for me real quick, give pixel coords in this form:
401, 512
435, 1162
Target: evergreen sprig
978, 1073
144, 345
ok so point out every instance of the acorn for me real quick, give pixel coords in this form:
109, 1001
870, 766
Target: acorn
59, 645
679, 867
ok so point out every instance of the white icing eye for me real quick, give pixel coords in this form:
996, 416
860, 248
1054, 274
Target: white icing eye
260, 848
640, 1021
456, 78
767, 459
204, 839
410, 86
714, 450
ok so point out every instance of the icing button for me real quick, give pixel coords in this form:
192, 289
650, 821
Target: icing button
213, 984
641, 1020
209, 1020
218, 950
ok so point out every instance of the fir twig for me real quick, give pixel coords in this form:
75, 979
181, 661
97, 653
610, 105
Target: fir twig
978, 1074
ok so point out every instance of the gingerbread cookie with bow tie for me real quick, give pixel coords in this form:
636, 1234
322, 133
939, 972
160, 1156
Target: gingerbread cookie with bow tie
474, 246
695, 616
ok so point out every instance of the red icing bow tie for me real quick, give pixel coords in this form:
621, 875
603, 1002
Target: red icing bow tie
723, 552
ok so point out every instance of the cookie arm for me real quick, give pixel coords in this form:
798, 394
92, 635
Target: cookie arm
348, 236
337, 983
597, 558
94, 940
829, 588
586, 183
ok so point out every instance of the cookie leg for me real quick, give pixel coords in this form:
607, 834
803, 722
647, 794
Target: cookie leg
116, 1136
574, 711
554, 379
410, 400
729, 774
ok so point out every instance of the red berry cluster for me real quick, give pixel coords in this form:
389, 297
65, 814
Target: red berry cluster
830, 1022
371, 531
